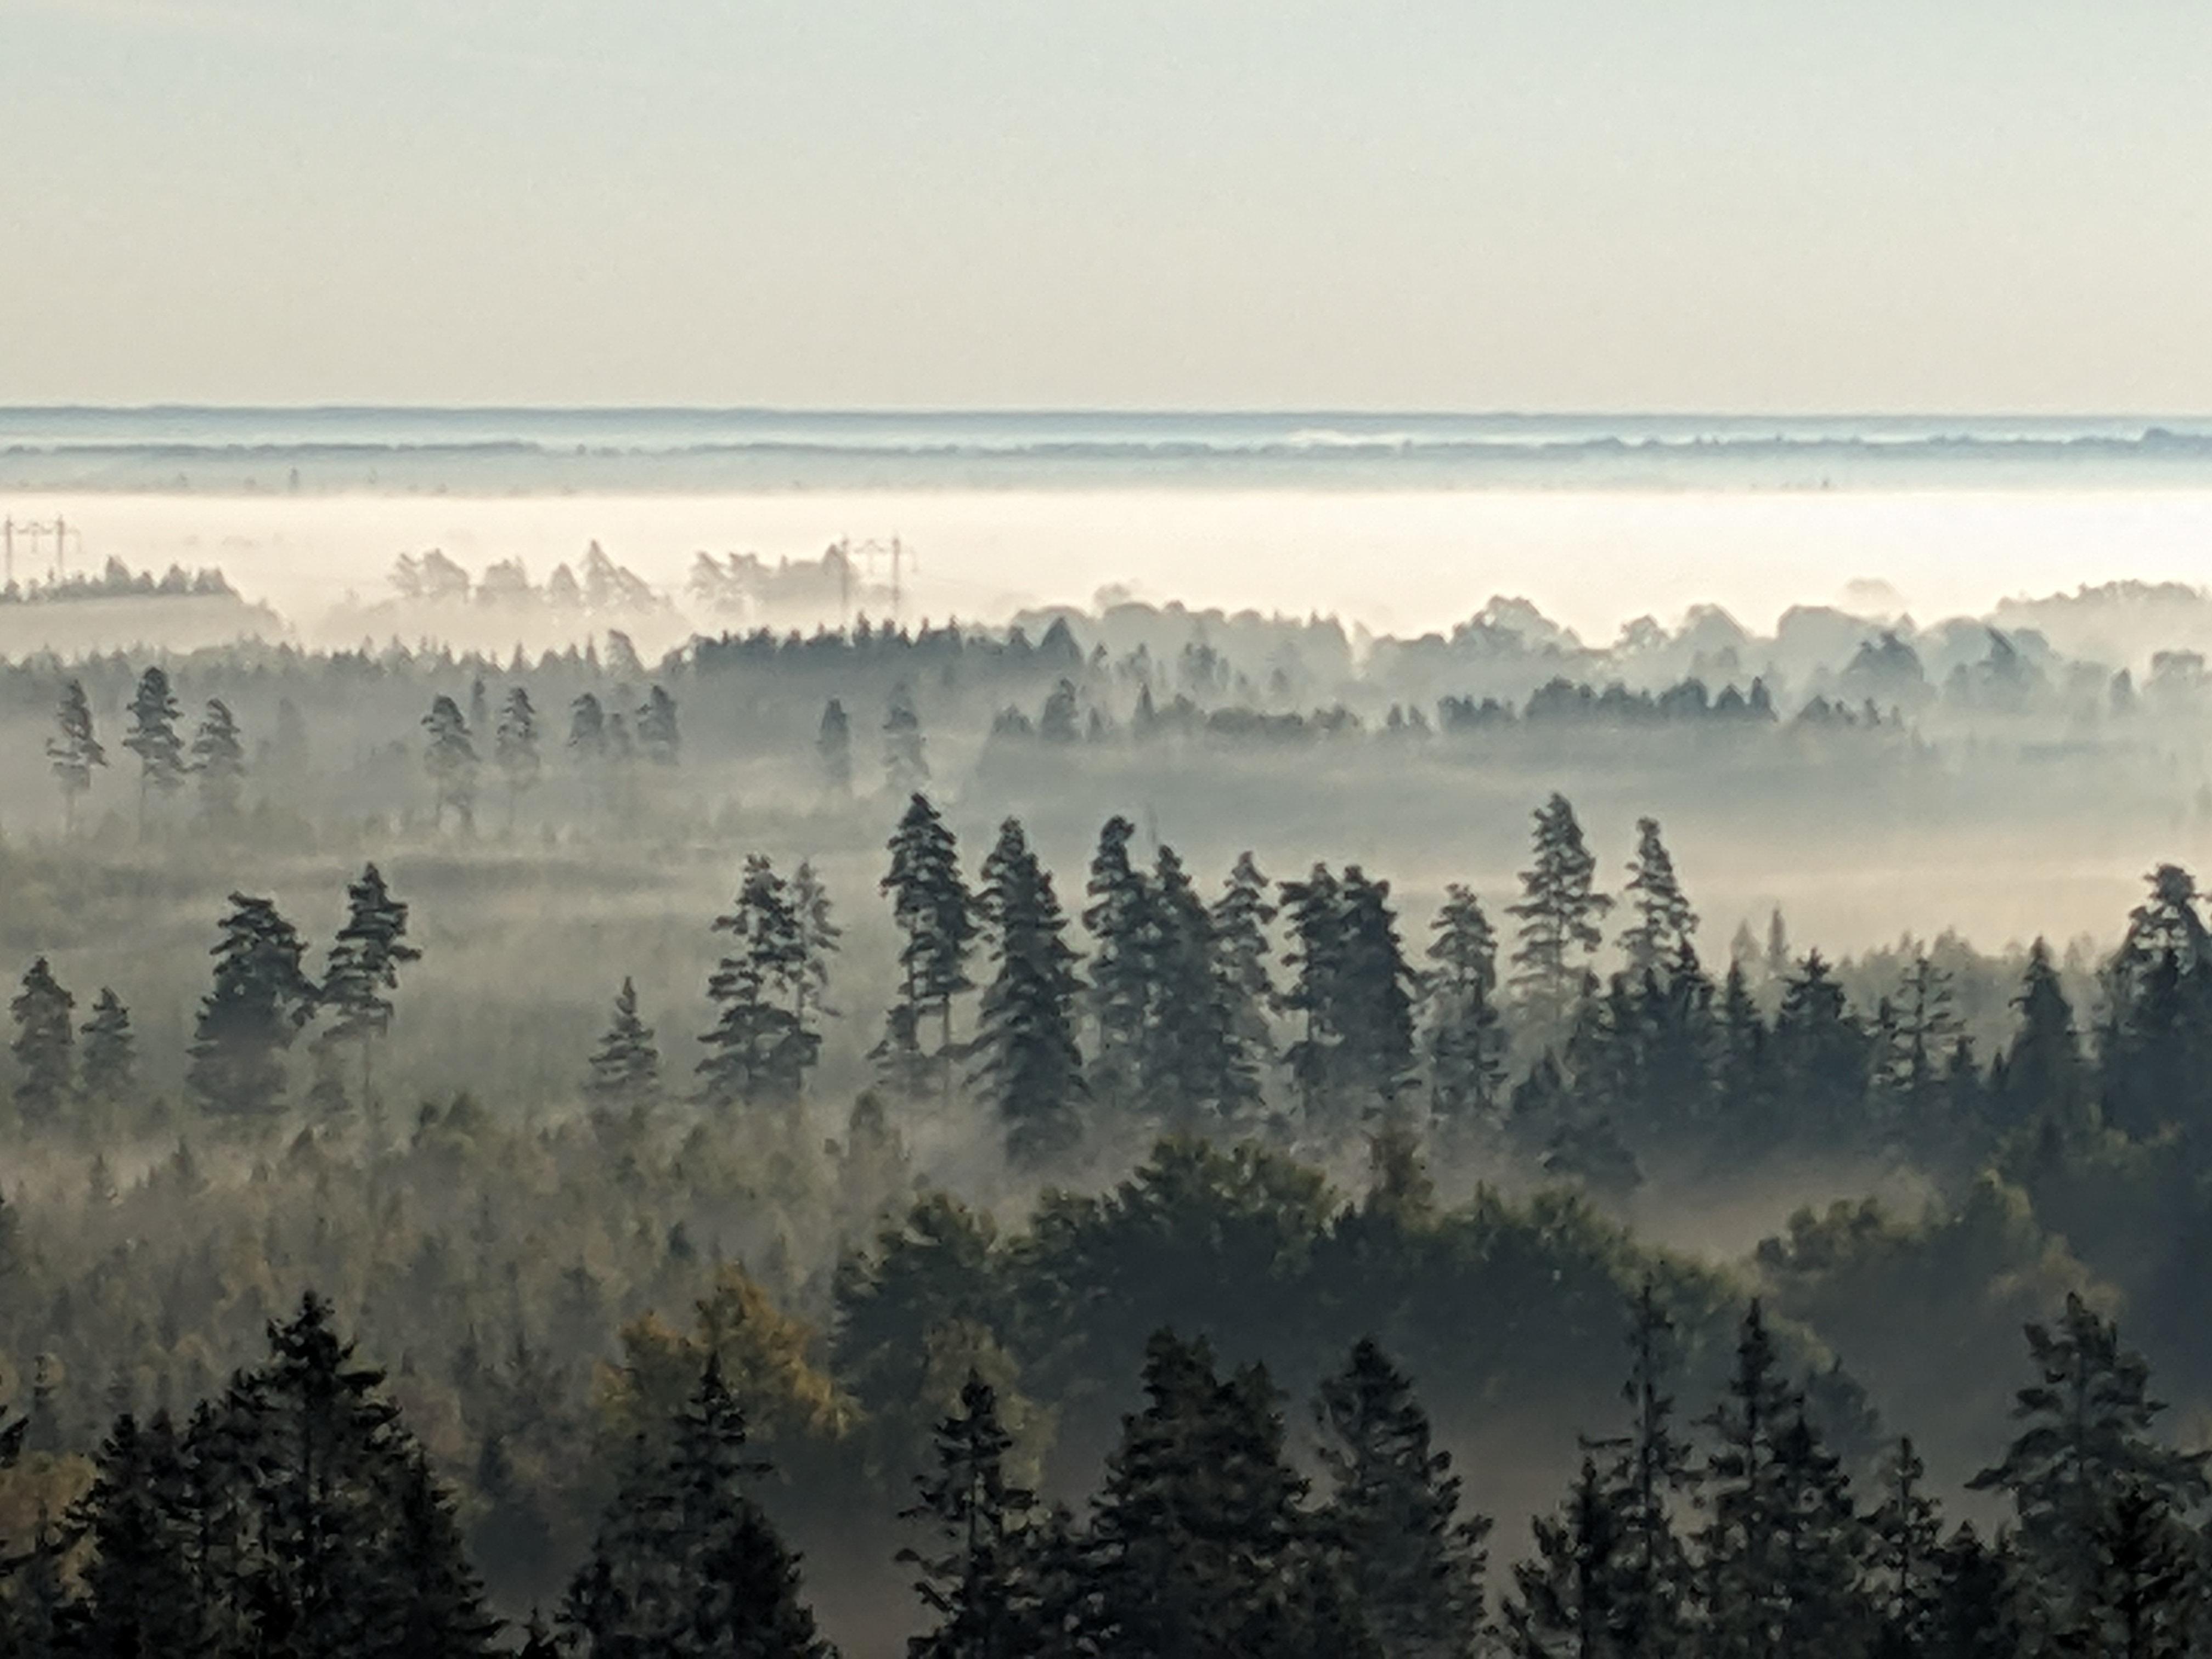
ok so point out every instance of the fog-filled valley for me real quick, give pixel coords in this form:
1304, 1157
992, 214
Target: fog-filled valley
1015, 1028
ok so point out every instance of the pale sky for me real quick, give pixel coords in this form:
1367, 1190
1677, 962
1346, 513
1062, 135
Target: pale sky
1547, 204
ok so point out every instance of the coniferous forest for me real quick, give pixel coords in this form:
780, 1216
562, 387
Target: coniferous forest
935, 1140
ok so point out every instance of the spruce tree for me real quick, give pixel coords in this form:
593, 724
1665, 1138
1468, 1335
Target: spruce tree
109, 1050
219, 761
1664, 921
1028, 1064
450, 757
515, 748
257, 1003
364, 965
1821, 1055
1189, 1062
931, 906
74, 751
44, 1047
979, 1579
1374, 1015
833, 749
1241, 918
587, 730
436, 1609
624, 1079
143, 1595
1563, 1604
1314, 908
686, 1564
1906, 1557
1466, 1044
152, 737
1650, 1469
2043, 1080
1560, 911
1392, 1525
1121, 920
906, 757
1195, 1535
759, 1050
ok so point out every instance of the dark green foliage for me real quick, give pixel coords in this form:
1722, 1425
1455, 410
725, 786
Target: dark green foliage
1027, 1063
1465, 1040
2042, 1076
931, 905
2085, 1440
260, 1001
43, 1046
1560, 911
74, 752
1192, 1067
110, 1051
1391, 1526
1120, 922
686, 1566
1241, 918
1663, 919
152, 737
1564, 1604
624, 1079
761, 1049
219, 761
1821, 1055
981, 1580
1353, 992
364, 965
1195, 1538
144, 1595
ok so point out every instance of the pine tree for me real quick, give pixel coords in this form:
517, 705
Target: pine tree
1121, 920
833, 749
1664, 920
1392, 1523
931, 906
905, 759
259, 1000
74, 752
110, 1050
515, 749
1028, 1064
1560, 911
625, 1070
657, 734
686, 1564
152, 737
979, 1581
759, 1050
450, 759
364, 964
2085, 1439
219, 761
819, 940
1465, 1043
45, 1046
1921, 1033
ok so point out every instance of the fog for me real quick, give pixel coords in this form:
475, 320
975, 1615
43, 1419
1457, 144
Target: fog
1873, 770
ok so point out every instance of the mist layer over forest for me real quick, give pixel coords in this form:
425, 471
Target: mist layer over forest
573, 972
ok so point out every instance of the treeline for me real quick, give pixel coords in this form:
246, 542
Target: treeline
118, 580
295, 1515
